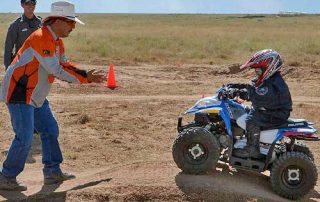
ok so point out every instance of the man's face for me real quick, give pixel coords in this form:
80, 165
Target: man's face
28, 7
65, 27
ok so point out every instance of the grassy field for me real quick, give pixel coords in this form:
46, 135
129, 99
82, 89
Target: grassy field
178, 39
119, 142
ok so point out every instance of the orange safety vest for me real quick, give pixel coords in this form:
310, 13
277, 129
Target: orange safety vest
40, 60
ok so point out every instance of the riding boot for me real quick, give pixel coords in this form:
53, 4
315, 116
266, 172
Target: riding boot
252, 148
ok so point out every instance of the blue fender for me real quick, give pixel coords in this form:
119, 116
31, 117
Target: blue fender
223, 115
227, 121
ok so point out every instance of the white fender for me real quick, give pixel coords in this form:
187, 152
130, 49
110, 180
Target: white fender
268, 136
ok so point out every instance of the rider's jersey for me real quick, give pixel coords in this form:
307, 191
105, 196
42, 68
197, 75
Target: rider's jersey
272, 95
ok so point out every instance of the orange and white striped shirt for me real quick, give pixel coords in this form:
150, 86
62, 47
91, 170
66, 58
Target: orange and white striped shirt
40, 60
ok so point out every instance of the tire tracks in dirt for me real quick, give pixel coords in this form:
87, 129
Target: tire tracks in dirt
99, 97
149, 180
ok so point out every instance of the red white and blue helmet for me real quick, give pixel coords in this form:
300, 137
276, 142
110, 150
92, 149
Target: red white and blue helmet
268, 60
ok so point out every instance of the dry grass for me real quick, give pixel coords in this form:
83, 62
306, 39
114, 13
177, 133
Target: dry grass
100, 128
175, 39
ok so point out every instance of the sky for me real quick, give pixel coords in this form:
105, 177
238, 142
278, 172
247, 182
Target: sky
175, 6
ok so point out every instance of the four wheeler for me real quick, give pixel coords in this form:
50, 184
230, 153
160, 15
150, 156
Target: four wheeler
214, 134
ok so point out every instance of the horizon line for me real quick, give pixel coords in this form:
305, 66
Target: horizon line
279, 13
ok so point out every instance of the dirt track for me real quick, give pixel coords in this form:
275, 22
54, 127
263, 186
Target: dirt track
118, 143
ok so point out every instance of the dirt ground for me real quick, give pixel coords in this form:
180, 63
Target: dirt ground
118, 143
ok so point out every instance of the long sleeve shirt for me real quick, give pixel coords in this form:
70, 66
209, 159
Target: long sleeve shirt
273, 94
39, 61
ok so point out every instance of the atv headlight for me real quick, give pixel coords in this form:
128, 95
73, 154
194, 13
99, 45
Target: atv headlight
207, 102
204, 103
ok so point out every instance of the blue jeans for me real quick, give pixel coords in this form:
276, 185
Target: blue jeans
25, 119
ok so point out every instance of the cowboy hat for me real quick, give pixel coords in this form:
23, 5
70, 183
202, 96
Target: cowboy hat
27, 1
63, 9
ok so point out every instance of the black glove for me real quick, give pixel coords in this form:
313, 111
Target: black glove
243, 94
237, 85
232, 93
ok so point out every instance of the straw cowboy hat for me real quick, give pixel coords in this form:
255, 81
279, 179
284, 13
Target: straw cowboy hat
63, 9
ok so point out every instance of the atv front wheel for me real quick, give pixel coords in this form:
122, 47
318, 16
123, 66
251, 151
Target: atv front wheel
196, 151
293, 175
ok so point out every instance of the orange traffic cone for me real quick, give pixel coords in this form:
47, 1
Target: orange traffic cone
111, 82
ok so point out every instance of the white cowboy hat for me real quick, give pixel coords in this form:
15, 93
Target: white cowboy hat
63, 9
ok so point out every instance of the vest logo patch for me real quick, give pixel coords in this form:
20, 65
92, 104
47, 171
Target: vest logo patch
262, 91
46, 52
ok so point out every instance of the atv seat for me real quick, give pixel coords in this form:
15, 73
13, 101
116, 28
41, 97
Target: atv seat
297, 123
291, 123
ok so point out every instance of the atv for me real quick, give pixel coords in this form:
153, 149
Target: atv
214, 134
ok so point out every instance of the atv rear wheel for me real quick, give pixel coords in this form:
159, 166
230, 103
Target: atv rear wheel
196, 151
293, 175
303, 149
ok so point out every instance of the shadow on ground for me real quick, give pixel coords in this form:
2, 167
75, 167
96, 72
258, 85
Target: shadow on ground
47, 192
226, 184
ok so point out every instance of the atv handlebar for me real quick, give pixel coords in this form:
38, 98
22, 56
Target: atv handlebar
227, 93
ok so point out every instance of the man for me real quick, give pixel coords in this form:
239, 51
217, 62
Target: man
25, 87
270, 97
20, 30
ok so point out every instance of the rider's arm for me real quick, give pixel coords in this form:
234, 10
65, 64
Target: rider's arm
11, 39
238, 85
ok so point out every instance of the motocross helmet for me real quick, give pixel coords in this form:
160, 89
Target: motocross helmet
268, 60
